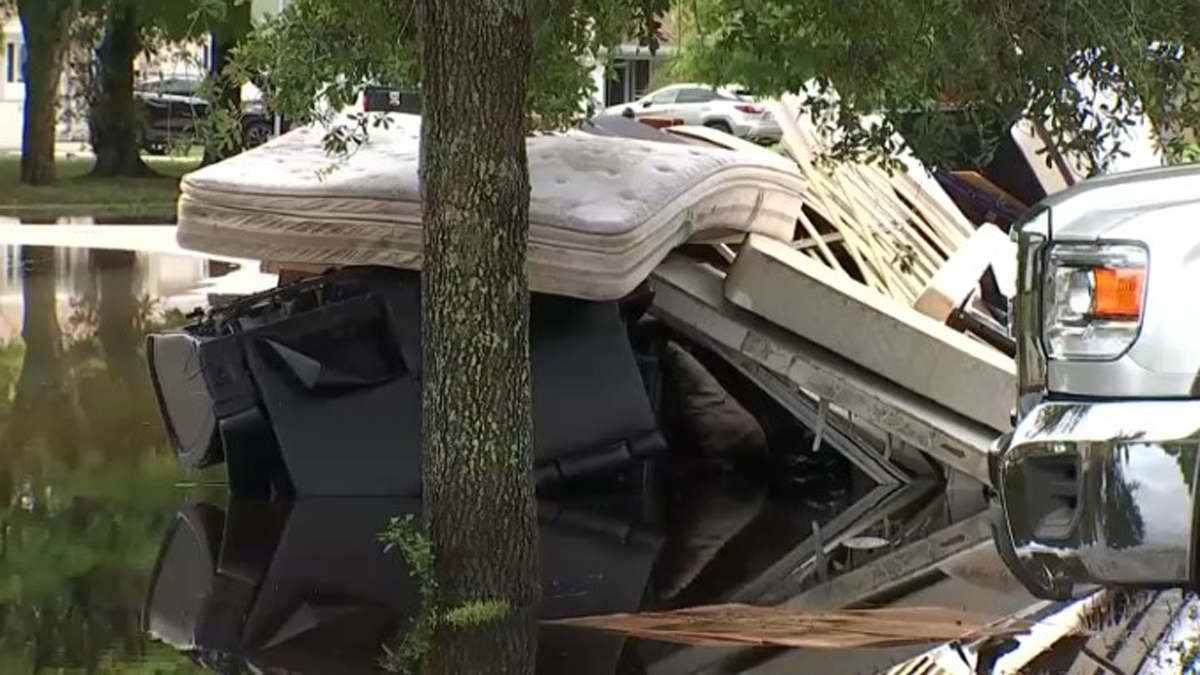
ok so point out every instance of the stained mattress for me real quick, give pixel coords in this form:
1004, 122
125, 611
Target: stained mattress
604, 211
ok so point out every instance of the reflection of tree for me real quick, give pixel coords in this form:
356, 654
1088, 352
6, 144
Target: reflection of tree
1185, 457
1059, 419
42, 389
117, 329
106, 344
505, 646
1127, 530
84, 499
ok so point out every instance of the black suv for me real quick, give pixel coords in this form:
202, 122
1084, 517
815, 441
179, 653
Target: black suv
173, 110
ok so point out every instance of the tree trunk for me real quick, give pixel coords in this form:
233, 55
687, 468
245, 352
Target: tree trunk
115, 120
476, 399
505, 646
226, 93
45, 24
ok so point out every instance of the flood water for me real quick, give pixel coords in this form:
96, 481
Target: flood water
114, 560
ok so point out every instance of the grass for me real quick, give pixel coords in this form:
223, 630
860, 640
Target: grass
79, 194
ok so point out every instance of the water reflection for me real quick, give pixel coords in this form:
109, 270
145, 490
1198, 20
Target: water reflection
91, 492
307, 587
107, 564
87, 476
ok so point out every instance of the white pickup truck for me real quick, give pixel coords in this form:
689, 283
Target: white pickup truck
1097, 482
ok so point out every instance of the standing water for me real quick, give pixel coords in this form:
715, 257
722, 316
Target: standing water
114, 560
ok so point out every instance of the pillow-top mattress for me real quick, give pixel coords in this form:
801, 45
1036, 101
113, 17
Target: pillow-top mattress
604, 211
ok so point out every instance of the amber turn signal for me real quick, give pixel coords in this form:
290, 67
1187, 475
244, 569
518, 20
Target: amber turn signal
1119, 292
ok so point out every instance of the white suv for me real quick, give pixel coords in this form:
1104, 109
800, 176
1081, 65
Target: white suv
708, 106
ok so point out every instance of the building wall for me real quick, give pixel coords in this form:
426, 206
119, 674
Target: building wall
12, 87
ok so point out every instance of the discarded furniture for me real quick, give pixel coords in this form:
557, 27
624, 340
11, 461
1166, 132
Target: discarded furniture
315, 387
897, 228
787, 288
691, 297
1113, 630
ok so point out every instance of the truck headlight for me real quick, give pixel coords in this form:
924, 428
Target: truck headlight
1093, 301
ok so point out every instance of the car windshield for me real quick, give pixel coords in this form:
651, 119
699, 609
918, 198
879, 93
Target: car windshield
172, 86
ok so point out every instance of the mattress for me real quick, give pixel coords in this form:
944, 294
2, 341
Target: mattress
603, 210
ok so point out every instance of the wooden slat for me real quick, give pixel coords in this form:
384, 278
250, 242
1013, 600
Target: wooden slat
881, 216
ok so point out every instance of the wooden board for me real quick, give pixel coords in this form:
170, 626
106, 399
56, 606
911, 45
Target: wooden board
774, 281
960, 275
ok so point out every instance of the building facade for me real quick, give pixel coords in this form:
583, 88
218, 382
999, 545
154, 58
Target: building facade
12, 84
185, 60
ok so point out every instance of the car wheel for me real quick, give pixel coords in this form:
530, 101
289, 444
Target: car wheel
720, 126
257, 133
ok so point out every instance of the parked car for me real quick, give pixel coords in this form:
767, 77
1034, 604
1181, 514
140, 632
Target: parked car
723, 109
173, 110
1097, 481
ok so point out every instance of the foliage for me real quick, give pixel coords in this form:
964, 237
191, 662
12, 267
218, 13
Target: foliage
989, 60
315, 56
405, 535
416, 549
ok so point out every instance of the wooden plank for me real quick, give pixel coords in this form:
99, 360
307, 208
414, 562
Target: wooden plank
881, 216
898, 343
960, 275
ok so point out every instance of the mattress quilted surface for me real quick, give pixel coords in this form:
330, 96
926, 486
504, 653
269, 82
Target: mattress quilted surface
603, 210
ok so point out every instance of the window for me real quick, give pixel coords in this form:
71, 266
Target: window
172, 87
665, 97
14, 62
641, 77
614, 89
183, 87
696, 95
627, 80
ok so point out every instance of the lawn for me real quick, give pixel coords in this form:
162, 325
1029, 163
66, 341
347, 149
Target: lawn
78, 194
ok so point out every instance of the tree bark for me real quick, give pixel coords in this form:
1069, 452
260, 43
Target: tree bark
505, 646
226, 93
476, 399
45, 24
115, 120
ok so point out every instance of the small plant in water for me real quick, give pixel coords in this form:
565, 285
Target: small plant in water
476, 613
418, 552
416, 549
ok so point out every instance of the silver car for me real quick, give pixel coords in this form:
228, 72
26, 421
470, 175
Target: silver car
698, 104
1097, 481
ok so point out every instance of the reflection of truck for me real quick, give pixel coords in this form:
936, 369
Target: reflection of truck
1097, 480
